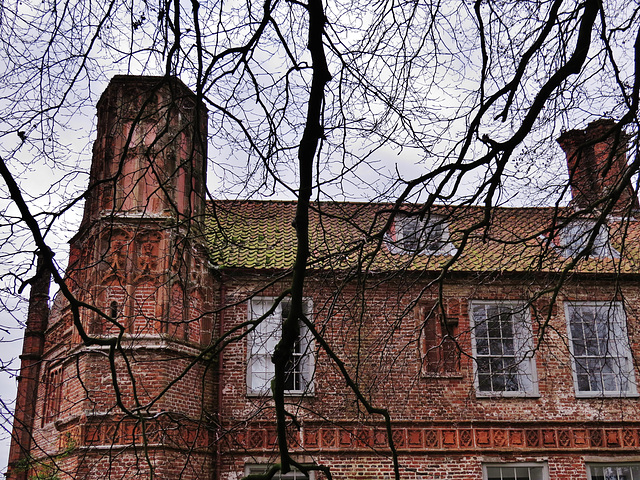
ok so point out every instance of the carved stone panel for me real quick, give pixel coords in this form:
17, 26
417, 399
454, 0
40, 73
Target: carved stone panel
148, 253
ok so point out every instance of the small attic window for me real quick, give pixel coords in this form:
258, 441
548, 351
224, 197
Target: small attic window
574, 239
412, 234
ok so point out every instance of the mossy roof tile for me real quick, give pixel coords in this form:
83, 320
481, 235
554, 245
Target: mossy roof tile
261, 235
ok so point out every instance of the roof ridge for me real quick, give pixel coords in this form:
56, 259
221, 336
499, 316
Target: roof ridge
390, 204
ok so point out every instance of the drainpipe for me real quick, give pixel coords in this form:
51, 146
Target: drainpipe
223, 299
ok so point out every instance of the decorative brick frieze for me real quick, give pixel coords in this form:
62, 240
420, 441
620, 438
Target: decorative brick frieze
596, 438
399, 438
612, 438
500, 438
564, 438
483, 437
345, 438
449, 438
549, 437
175, 434
629, 437
380, 438
580, 438
311, 438
465, 437
515, 438
415, 438
328, 438
256, 438
532, 438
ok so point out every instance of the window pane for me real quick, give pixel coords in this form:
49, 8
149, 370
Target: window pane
480, 324
494, 473
597, 473
575, 237
415, 235
293, 475
511, 380
536, 473
498, 383
514, 473
501, 340
600, 348
579, 346
482, 346
263, 340
508, 473
582, 376
622, 473
615, 472
507, 346
484, 383
261, 373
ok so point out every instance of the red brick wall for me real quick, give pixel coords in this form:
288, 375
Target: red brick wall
434, 417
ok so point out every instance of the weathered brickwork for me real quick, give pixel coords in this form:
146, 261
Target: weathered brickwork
161, 400
437, 415
435, 466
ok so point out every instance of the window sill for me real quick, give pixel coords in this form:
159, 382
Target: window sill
494, 395
288, 394
612, 395
443, 376
445, 251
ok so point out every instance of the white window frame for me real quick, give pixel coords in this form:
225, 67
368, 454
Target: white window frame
616, 324
294, 474
268, 334
544, 470
616, 465
426, 236
576, 234
522, 348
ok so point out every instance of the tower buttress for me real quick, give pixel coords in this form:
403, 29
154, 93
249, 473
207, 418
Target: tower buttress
32, 349
141, 233
139, 260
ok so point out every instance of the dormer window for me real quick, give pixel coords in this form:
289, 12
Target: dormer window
576, 238
416, 235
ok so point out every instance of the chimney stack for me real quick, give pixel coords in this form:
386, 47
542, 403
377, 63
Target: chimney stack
597, 161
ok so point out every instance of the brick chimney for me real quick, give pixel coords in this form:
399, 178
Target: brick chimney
597, 161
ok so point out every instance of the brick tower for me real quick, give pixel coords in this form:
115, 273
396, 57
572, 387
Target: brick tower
125, 387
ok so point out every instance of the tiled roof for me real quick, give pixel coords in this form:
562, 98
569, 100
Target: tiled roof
260, 235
